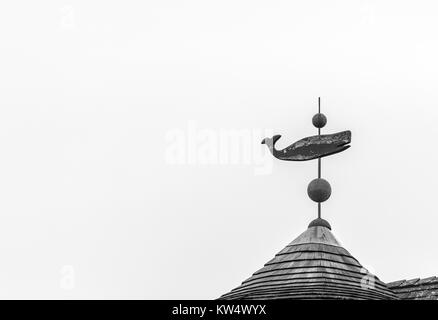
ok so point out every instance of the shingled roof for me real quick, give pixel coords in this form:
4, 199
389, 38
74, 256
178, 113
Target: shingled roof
416, 289
313, 266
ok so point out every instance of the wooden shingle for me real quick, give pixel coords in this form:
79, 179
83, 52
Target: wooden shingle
313, 266
416, 289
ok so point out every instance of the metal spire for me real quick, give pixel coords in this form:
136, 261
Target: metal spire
314, 147
319, 189
319, 159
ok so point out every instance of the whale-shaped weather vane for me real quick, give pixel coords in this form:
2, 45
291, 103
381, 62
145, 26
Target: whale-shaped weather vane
314, 147
309, 148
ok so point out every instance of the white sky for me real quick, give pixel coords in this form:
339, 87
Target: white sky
91, 207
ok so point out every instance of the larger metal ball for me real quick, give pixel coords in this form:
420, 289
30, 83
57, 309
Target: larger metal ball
319, 120
319, 190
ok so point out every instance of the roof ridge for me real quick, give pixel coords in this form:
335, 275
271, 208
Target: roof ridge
412, 282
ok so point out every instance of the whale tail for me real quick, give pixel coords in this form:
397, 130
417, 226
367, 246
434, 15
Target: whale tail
271, 141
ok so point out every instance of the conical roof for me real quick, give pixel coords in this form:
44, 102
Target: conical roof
313, 266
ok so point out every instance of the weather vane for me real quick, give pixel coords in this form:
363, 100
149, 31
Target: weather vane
314, 147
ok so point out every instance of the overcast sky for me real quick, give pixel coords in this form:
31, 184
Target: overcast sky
117, 175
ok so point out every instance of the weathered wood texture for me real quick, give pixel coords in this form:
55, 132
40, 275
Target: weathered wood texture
416, 289
313, 266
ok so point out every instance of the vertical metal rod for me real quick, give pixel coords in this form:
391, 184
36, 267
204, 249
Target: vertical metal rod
319, 159
319, 111
319, 168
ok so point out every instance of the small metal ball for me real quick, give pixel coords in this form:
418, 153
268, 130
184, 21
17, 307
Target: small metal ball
319, 190
319, 120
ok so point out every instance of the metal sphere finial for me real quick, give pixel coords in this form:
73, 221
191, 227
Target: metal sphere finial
319, 120
318, 222
319, 190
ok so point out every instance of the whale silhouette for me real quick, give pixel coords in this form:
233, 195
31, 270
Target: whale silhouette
310, 147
